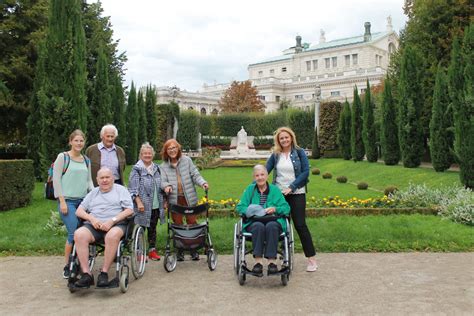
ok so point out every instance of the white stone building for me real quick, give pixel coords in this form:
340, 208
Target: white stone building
336, 66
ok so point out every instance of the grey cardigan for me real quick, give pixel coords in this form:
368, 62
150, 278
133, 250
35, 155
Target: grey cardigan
143, 184
190, 176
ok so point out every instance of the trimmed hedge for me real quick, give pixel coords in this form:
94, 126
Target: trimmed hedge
188, 129
18, 182
302, 123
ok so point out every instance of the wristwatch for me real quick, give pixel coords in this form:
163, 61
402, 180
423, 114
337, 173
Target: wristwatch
114, 219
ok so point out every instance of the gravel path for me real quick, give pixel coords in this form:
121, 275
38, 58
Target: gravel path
346, 283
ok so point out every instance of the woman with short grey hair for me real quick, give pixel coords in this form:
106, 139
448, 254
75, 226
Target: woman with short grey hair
145, 187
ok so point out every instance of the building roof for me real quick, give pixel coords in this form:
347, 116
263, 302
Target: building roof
326, 45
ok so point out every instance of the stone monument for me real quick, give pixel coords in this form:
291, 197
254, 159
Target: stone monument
242, 145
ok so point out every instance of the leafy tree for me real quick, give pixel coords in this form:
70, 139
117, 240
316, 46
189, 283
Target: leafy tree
368, 130
439, 140
59, 103
150, 104
241, 97
344, 132
357, 145
22, 27
100, 106
142, 120
410, 106
461, 74
389, 131
131, 150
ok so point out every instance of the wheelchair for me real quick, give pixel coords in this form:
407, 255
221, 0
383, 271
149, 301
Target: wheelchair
131, 249
285, 250
188, 237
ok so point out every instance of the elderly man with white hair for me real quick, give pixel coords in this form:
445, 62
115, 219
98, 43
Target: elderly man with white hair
107, 154
104, 211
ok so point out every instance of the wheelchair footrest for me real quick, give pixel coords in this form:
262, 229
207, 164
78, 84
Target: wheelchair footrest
283, 270
247, 271
114, 283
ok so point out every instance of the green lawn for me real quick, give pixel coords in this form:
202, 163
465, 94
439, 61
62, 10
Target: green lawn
23, 232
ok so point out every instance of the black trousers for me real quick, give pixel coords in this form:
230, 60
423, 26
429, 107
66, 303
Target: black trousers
298, 215
265, 238
155, 215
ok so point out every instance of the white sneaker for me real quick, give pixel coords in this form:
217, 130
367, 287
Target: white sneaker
312, 265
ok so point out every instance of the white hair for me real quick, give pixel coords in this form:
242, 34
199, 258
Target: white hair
147, 145
259, 168
106, 127
104, 169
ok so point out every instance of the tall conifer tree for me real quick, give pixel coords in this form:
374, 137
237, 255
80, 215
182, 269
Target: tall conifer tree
131, 150
100, 106
344, 132
60, 99
150, 103
389, 130
439, 140
118, 108
410, 130
369, 127
142, 120
357, 145
461, 75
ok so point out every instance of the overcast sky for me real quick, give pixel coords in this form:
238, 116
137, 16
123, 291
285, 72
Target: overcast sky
189, 43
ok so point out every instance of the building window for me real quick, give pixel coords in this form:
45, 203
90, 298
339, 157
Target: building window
277, 98
355, 60
347, 60
327, 62
299, 97
272, 71
378, 60
362, 91
334, 62
261, 97
335, 93
190, 108
214, 112
260, 73
283, 69
308, 65
315, 64
203, 111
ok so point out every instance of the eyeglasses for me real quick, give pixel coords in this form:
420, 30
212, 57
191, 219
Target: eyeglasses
172, 148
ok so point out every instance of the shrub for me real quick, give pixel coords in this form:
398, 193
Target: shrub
316, 171
390, 190
55, 224
327, 175
329, 123
362, 185
18, 181
458, 207
188, 129
300, 121
208, 157
341, 179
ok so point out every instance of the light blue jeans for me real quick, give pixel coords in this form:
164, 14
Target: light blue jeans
70, 219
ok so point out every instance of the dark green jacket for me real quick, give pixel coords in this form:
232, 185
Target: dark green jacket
274, 199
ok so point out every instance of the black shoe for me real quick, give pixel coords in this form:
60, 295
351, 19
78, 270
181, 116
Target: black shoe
85, 281
194, 255
103, 279
257, 269
66, 272
180, 255
272, 269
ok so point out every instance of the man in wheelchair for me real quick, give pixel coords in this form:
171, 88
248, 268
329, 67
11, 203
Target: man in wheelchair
263, 205
104, 211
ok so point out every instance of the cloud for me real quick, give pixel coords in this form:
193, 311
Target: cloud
189, 43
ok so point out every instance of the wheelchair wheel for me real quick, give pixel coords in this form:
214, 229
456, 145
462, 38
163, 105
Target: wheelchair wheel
92, 256
124, 282
170, 262
211, 259
242, 275
292, 248
236, 249
138, 252
284, 279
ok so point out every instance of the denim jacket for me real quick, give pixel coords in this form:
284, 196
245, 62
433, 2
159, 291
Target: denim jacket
300, 166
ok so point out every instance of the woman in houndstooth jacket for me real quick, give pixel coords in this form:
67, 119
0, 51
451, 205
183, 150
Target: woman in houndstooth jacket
145, 187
